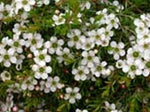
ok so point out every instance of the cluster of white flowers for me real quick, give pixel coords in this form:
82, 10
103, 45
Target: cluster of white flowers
24, 4
83, 39
12, 51
12, 9
87, 40
81, 45
137, 60
91, 66
111, 107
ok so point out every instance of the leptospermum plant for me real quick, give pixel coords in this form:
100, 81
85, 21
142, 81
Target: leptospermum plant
74, 56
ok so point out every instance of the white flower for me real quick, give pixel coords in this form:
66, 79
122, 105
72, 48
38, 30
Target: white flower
80, 73
43, 87
5, 10
108, 32
119, 64
54, 45
99, 69
53, 83
72, 94
141, 27
117, 49
133, 53
102, 36
87, 43
78, 110
25, 4
41, 57
133, 67
41, 71
111, 107
74, 37
5, 41
29, 84
97, 35
86, 5
8, 57
112, 21
18, 28
5, 75
65, 56
34, 41
119, 7
89, 59
58, 19
16, 44
102, 15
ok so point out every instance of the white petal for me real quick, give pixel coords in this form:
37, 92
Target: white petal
83, 77
31, 87
48, 69
68, 90
56, 78
37, 75
7, 64
72, 100
47, 58
27, 8
53, 89
78, 96
41, 63
24, 86
13, 59
35, 67
44, 76
146, 72
77, 77
1, 59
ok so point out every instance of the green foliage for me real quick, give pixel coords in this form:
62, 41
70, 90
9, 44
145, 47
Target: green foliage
118, 87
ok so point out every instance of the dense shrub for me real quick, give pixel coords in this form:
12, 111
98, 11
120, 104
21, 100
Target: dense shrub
74, 56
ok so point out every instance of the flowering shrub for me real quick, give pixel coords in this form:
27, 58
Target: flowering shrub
74, 56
